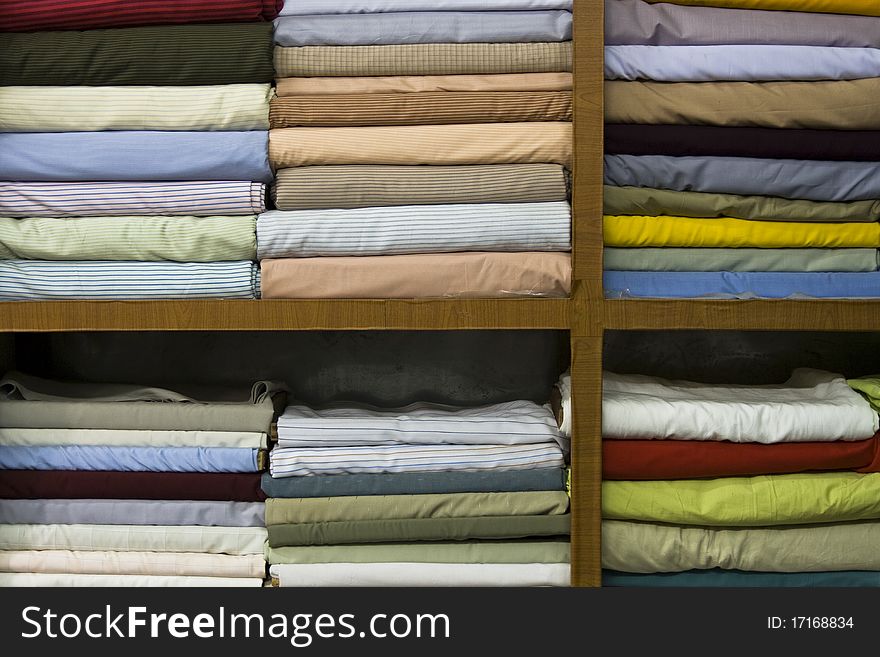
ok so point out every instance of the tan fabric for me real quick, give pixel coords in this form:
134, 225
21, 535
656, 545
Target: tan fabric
481, 143
424, 275
316, 86
824, 105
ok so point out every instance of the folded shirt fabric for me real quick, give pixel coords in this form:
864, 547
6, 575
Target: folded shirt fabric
130, 459
84, 109
132, 512
716, 578
319, 86
470, 143
363, 186
858, 7
176, 238
813, 180
462, 275
741, 259
110, 199
811, 405
306, 7
134, 156
421, 574
235, 53
418, 59
37, 280
131, 438
42, 580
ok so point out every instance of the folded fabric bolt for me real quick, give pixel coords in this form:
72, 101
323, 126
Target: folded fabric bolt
109, 199
132, 512
424, 275
811, 405
716, 578
123, 438
424, 107
415, 483
236, 53
391, 28
318, 86
348, 425
416, 229
305, 462
653, 202
742, 285
75, 109
35, 280
421, 574
306, 7
858, 7
363, 186
168, 564
820, 105
869, 386
639, 22
813, 180
740, 259
42, 580
181, 239
421, 59
129, 459
92, 14
639, 547
135, 156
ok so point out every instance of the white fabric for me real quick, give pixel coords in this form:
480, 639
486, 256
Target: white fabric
812, 406
49, 437
128, 581
564, 386
422, 574
307, 7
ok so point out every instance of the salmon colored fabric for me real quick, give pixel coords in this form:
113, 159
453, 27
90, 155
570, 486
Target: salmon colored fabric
395, 84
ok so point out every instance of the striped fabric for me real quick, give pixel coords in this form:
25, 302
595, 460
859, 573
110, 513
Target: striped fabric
423, 59
360, 186
45, 580
109, 199
28, 280
181, 239
419, 108
72, 109
303, 462
129, 459
318, 86
415, 229
306, 7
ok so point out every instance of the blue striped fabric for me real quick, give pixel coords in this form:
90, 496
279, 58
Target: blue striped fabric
129, 459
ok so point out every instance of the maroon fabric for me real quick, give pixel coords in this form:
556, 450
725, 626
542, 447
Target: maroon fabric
73, 484
43, 15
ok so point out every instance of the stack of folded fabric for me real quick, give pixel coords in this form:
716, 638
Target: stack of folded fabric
121, 485
742, 148
133, 159
716, 485
420, 153
425, 495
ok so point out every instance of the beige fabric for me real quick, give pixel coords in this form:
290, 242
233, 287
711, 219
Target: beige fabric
127, 581
413, 83
121, 438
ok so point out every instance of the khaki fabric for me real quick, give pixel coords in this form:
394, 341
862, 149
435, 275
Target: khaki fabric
316, 86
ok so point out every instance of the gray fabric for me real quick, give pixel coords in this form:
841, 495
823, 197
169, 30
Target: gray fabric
687, 259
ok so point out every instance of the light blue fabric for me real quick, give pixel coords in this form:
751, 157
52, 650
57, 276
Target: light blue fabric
813, 180
135, 155
741, 285
308, 7
129, 459
740, 579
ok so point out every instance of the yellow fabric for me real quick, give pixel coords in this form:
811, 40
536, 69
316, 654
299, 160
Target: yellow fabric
858, 7
636, 231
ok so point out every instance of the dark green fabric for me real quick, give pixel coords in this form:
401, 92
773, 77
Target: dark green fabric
235, 53
717, 578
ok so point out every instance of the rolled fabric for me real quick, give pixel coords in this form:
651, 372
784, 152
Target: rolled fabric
318, 86
179, 239
822, 105
235, 53
422, 59
812, 180
129, 438
741, 259
306, 7
630, 200
477, 143
716, 578
109, 199
857, 7
416, 229
420, 108
92, 14
136, 156
42, 580
462, 275
364, 186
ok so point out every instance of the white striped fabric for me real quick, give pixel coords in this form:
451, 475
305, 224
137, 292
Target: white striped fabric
43, 580
301, 462
107, 199
508, 423
28, 280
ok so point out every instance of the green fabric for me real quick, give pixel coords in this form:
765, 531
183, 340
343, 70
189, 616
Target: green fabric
697, 259
280, 511
869, 386
521, 551
746, 501
419, 529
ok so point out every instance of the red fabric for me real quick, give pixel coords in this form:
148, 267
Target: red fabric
687, 459
40, 15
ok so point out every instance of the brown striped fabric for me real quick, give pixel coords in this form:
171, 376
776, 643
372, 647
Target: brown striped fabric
396, 84
420, 108
312, 188
423, 59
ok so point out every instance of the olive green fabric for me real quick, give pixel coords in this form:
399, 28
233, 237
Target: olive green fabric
869, 386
